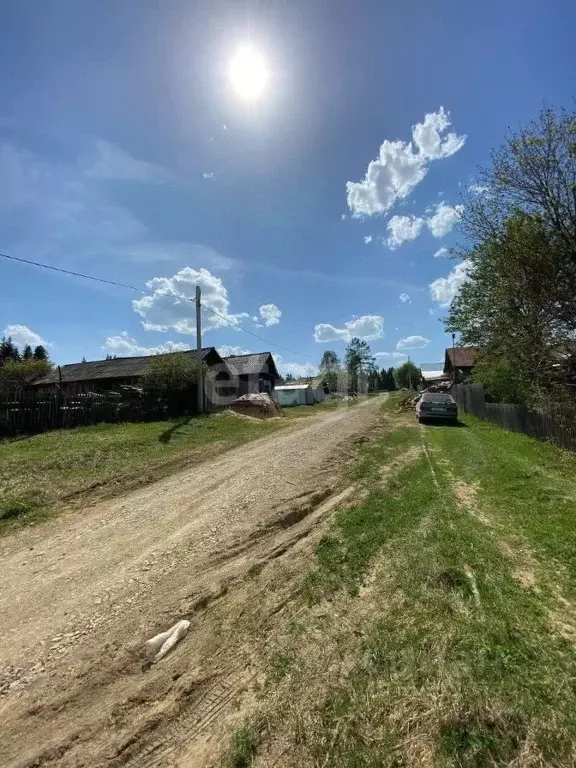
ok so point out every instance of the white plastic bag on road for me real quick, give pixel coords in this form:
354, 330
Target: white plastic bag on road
159, 645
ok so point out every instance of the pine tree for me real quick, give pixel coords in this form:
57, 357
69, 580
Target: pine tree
40, 353
8, 350
27, 353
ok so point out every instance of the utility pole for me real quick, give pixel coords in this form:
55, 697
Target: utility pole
409, 374
200, 386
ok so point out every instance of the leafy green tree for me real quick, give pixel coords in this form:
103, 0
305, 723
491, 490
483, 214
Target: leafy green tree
358, 357
519, 302
407, 375
27, 353
16, 374
40, 353
289, 378
173, 378
330, 367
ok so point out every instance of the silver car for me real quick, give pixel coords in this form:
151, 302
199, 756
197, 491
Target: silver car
436, 405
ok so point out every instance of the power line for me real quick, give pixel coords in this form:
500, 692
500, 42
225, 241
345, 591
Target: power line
75, 274
256, 336
150, 293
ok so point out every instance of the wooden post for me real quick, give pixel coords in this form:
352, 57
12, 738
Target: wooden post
200, 384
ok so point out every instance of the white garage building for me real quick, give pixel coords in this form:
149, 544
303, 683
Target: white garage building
287, 395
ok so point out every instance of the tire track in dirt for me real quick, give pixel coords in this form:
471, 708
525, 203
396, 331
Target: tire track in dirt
116, 575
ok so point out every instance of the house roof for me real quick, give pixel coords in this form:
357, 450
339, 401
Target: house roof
258, 362
461, 357
293, 386
116, 368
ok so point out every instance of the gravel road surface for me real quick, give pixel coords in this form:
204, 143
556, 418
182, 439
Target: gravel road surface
81, 593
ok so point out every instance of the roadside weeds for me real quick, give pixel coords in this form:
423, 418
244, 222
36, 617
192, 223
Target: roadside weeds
416, 639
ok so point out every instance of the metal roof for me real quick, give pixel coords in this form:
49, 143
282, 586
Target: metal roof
258, 362
116, 368
293, 386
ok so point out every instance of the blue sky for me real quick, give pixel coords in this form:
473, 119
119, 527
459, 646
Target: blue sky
308, 215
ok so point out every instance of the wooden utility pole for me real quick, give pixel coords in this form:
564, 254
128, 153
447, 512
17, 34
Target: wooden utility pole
200, 387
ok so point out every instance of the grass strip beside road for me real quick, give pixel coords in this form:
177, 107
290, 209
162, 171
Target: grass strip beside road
437, 625
42, 473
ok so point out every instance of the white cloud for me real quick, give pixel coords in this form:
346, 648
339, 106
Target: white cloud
208, 175
172, 308
401, 165
445, 217
367, 327
403, 228
386, 355
444, 289
368, 239
412, 342
270, 314
126, 346
111, 162
298, 370
404, 298
226, 350
442, 253
21, 335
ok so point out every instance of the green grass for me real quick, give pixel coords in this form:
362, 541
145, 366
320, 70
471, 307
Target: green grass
420, 639
43, 472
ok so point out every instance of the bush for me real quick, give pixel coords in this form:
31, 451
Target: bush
15, 374
174, 379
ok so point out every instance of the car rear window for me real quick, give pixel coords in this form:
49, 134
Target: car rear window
439, 398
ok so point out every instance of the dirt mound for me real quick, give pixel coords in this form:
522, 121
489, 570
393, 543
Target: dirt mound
260, 405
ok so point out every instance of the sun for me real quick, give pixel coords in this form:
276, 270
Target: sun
248, 73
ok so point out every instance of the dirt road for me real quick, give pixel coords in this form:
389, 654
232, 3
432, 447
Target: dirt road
81, 594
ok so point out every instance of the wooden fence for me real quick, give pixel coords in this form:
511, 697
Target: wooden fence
29, 413
557, 423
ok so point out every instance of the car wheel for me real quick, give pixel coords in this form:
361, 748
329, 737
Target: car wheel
420, 420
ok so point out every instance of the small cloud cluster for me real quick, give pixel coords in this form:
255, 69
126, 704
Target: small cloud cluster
270, 314
226, 350
442, 253
412, 342
401, 165
367, 327
402, 229
405, 299
389, 355
125, 345
444, 289
21, 335
368, 239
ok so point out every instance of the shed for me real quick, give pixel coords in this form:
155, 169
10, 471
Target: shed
287, 395
253, 373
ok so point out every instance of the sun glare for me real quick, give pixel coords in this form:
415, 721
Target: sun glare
248, 73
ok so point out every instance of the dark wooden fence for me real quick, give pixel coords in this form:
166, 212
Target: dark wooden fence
28, 413
557, 423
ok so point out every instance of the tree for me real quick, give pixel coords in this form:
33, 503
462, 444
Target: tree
358, 356
519, 302
407, 375
15, 374
330, 367
8, 350
40, 353
173, 378
27, 353
387, 380
289, 378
